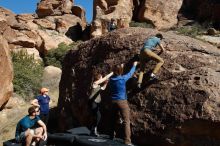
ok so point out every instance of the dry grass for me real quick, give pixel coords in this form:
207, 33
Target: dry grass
9, 119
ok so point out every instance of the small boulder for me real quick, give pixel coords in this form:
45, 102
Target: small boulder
211, 31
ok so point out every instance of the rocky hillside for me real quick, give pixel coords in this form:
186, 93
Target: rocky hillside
161, 14
177, 110
54, 23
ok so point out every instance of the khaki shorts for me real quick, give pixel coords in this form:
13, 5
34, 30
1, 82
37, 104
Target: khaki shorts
22, 137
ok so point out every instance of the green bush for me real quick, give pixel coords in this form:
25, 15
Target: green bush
193, 30
27, 74
55, 56
141, 24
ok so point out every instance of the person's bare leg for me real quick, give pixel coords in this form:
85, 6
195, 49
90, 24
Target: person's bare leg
29, 137
38, 133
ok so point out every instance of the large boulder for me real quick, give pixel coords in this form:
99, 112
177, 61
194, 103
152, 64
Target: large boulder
54, 7
203, 10
8, 15
80, 12
50, 40
51, 79
6, 70
176, 110
162, 14
104, 10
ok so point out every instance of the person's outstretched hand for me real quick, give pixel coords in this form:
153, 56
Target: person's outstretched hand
135, 63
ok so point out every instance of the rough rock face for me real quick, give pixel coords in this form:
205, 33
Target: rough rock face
30, 32
203, 10
80, 12
6, 72
162, 14
104, 10
54, 7
181, 109
51, 79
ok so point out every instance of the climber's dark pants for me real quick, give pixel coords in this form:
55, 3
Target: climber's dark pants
121, 107
96, 113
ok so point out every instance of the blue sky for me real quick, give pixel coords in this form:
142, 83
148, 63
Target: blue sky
29, 6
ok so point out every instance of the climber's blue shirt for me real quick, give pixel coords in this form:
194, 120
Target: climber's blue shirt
151, 43
118, 85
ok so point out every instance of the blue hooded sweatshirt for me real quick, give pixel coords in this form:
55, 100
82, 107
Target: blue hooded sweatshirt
118, 85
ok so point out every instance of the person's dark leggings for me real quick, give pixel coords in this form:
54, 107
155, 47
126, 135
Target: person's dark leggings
44, 118
96, 113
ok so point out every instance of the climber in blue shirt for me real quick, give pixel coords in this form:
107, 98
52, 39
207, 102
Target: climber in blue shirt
147, 52
119, 100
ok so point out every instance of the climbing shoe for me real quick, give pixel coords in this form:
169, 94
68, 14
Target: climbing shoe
139, 85
95, 132
130, 144
153, 77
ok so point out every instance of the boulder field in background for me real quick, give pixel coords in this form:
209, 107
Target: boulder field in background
44, 33
54, 7
180, 110
6, 73
104, 10
162, 14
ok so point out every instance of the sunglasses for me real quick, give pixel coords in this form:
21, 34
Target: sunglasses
37, 111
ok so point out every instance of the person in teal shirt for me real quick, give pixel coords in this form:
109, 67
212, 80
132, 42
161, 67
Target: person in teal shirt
25, 131
147, 52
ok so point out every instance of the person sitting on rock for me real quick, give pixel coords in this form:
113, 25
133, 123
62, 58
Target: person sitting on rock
146, 52
99, 84
112, 25
25, 133
119, 100
43, 102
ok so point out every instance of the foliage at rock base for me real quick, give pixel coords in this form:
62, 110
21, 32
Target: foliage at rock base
55, 57
27, 74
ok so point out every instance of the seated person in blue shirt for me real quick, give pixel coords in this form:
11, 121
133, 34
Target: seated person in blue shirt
25, 132
147, 52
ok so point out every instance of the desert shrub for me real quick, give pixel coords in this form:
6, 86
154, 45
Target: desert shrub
27, 74
194, 30
141, 24
55, 57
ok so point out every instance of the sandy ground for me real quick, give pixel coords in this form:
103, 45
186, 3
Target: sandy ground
9, 118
